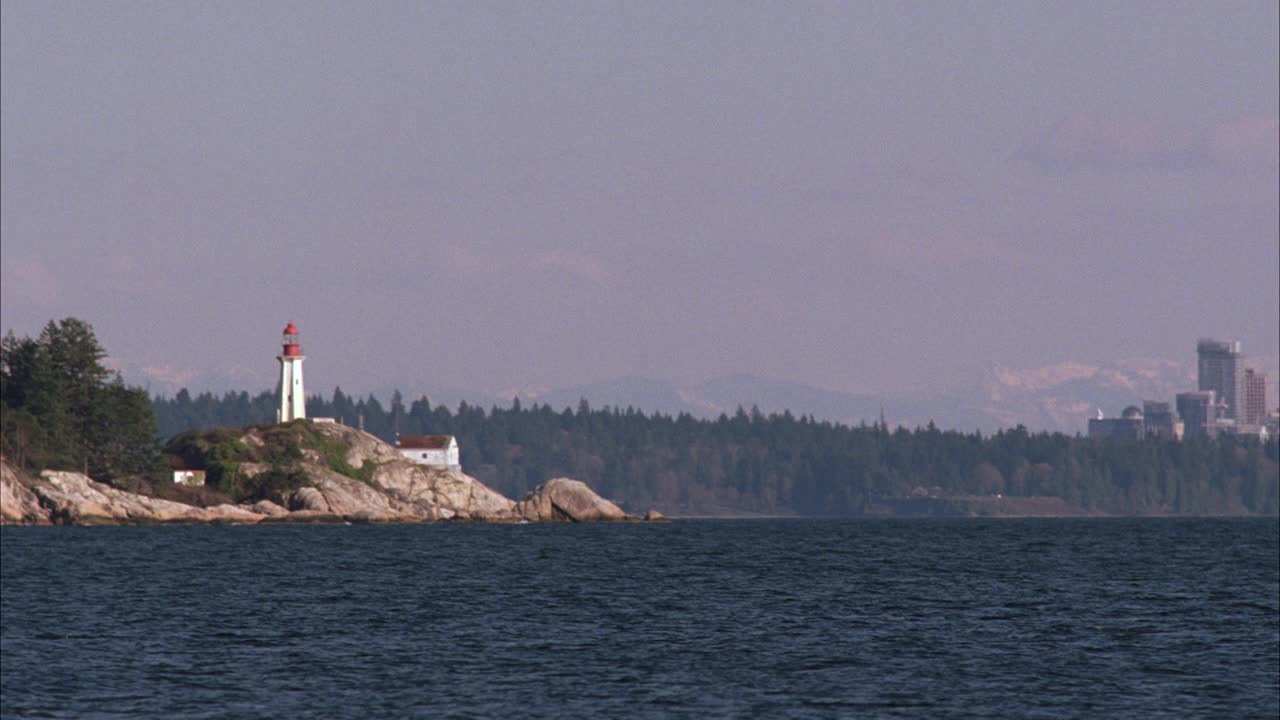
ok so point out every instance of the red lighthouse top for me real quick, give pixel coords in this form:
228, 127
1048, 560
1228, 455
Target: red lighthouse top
291, 347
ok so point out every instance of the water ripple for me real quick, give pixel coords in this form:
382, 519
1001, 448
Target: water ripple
880, 619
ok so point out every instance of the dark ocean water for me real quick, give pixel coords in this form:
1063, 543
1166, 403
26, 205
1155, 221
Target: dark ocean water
1152, 618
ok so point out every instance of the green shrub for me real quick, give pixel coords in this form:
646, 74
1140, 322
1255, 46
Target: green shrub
335, 456
223, 476
273, 484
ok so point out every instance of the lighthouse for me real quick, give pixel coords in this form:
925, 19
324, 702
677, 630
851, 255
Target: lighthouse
293, 403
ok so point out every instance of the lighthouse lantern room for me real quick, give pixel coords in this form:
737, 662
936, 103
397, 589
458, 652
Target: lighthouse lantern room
293, 404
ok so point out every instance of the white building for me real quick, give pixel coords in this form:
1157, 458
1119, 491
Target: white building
293, 401
189, 477
433, 450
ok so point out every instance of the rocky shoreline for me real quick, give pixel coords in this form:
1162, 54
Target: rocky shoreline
397, 491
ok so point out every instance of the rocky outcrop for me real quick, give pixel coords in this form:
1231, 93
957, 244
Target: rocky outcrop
361, 446
348, 499
565, 500
441, 494
268, 508
18, 505
396, 491
73, 499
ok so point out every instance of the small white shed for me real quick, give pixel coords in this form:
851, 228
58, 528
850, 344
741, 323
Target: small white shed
433, 450
188, 477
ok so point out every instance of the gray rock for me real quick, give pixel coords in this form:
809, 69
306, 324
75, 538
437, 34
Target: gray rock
565, 500
18, 504
268, 508
71, 498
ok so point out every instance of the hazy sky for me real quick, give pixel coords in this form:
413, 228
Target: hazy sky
860, 196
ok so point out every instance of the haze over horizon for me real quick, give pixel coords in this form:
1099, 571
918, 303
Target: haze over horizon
880, 197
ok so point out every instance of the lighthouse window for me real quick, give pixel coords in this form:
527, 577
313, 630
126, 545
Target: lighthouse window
424, 456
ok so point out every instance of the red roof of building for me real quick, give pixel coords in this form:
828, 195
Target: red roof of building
290, 329
424, 442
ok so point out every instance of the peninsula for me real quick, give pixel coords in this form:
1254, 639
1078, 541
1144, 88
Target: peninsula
297, 472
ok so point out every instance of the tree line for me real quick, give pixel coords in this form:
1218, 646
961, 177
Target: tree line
776, 463
62, 408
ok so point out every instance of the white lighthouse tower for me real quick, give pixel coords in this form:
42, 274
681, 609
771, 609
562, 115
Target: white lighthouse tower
293, 403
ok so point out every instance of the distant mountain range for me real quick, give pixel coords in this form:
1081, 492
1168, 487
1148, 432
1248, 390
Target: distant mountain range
168, 380
1059, 397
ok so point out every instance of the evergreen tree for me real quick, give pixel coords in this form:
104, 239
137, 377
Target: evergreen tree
64, 409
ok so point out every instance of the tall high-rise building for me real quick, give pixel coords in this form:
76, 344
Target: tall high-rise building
1217, 371
1198, 411
1253, 400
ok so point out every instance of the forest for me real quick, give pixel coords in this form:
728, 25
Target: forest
778, 463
